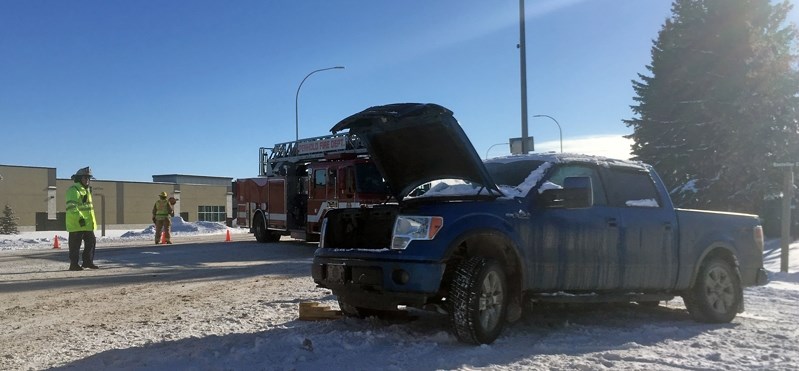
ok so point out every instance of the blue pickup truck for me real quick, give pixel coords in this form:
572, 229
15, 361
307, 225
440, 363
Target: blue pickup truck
479, 241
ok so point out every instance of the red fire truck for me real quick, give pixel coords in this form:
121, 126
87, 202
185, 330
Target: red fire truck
300, 181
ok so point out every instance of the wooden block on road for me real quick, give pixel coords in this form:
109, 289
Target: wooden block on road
313, 311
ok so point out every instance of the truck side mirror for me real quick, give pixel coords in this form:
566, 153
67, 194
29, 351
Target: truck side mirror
577, 193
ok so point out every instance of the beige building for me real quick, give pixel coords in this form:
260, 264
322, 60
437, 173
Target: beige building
38, 198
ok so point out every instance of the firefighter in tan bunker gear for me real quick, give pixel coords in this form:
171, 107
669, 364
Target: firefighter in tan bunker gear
162, 213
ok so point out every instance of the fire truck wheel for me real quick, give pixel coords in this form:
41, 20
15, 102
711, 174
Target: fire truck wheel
272, 236
259, 229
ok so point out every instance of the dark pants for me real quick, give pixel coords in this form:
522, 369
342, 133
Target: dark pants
163, 225
89, 241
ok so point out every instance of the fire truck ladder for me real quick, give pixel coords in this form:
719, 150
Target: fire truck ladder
308, 149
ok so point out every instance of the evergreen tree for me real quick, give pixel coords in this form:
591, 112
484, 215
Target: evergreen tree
721, 103
8, 222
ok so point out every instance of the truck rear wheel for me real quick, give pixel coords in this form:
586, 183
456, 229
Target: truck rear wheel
716, 294
478, 300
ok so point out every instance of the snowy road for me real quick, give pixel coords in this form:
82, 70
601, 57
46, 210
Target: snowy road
205, 304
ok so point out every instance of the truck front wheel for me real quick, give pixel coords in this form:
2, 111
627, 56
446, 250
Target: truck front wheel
478, 300
261, 233
259, 229
716, 294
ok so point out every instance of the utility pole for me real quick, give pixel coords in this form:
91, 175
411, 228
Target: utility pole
787, 195
523, 63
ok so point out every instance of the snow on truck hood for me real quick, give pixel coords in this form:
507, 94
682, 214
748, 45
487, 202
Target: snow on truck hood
414, 143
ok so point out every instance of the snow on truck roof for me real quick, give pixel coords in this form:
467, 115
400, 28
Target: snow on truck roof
569, 157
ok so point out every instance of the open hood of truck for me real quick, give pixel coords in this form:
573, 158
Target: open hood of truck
414, 143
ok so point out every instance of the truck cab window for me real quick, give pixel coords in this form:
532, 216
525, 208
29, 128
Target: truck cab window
320, 177
563, 172
632, 188
349, 185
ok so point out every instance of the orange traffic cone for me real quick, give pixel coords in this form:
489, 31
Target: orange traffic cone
163, 238
227, 237
56, 245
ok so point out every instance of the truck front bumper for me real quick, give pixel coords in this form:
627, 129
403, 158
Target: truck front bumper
379, 284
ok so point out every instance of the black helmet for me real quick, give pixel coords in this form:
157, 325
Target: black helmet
86, 171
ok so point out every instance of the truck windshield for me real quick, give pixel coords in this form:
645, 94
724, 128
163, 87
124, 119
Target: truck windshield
511, 173
368, 179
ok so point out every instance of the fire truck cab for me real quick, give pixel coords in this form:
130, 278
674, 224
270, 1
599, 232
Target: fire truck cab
300, 181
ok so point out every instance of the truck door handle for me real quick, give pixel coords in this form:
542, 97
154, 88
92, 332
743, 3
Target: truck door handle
521, 214
667, 226
612, 222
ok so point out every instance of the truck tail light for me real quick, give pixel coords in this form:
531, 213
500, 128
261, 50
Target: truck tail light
758, 234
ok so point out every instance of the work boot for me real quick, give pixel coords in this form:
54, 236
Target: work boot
90, 266
168, 242
75, 267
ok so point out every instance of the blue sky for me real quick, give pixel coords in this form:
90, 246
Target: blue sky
137, 88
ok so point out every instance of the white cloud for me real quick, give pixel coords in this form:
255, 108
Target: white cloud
612, 146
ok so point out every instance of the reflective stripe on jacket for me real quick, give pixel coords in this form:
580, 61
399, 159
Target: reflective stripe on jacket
162, 209
79, 205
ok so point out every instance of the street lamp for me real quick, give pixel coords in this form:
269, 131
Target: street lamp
492, 146
559, 129
297, 97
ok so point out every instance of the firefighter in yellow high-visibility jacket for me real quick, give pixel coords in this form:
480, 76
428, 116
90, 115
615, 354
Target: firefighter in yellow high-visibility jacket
162, 213
80, 220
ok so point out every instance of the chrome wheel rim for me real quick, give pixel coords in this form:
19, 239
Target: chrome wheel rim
491, 299
719, 290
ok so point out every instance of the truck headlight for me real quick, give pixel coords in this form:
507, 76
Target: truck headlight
408, 228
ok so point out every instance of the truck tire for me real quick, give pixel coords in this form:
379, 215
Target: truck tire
716, 294
272, 236
478, 300
259, 229
262, 234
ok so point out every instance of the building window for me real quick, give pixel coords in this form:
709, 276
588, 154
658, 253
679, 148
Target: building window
211, 213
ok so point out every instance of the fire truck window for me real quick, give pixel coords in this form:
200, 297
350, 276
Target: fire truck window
320, 177
349, 186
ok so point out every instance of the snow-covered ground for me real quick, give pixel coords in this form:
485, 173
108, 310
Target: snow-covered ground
205, 304
46, 239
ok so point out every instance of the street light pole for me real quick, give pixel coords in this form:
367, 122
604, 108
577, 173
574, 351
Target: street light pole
297, 97
560, 131
492, 146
